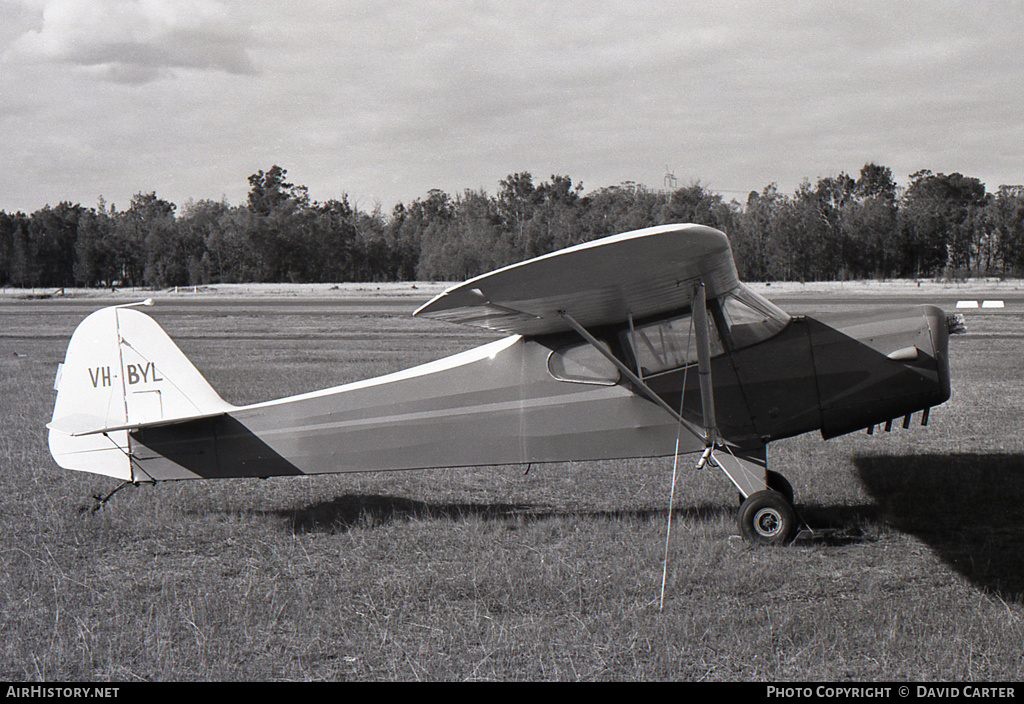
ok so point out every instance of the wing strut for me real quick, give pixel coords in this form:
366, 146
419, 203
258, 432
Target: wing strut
629, 374
707, 393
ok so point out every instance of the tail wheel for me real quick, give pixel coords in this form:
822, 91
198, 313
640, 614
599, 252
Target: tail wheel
766, 518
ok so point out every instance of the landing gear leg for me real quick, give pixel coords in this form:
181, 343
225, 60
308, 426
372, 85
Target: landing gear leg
776, 482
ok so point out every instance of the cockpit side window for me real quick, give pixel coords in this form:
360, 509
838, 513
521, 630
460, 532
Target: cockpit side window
582, 364
668, 344
749, 318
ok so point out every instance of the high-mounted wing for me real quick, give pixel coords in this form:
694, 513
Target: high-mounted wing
638, 273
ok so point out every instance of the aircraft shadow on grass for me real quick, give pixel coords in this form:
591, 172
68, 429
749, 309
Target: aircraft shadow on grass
355, 510
833, 525
968, 508
965, 507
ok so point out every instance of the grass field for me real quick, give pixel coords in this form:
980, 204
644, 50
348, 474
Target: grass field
916, 571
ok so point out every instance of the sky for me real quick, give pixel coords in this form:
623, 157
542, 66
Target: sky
383, 101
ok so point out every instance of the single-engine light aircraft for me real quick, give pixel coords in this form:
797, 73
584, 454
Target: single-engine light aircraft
642, 344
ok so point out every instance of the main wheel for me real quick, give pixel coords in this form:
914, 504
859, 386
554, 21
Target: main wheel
766, 518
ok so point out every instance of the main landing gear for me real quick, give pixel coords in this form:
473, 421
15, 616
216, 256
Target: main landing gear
767, 517
766, 514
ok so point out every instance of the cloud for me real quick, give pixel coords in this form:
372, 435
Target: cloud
135, 41
386, 100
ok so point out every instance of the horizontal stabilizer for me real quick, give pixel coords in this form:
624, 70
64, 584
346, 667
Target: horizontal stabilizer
80, 425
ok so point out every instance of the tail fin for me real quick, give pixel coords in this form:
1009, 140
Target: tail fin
121, 372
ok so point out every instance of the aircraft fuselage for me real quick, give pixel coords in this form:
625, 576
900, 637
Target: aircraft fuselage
553, 398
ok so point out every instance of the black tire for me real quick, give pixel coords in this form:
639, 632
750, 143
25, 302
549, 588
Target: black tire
777, 482
766, 518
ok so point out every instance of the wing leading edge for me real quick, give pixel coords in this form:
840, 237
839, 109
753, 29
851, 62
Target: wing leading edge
639, 273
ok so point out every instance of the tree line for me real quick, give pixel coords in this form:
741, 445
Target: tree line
841, 227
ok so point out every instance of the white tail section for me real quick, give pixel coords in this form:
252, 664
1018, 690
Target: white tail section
121, 372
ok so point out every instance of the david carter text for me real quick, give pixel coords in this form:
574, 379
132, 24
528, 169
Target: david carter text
967, 691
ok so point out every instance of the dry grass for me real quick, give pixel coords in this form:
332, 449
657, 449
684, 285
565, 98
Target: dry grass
496, 574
